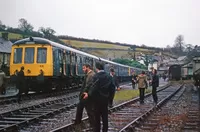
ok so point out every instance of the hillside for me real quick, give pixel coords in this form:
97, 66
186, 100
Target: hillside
112, 50
104, 49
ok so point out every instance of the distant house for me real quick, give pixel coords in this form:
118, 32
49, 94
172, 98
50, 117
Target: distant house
5, 51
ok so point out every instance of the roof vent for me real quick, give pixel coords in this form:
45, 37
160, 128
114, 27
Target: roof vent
31, 39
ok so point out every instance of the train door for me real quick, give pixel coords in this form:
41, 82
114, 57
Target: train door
55, 62
68, 62
79, 65
76, 65
73, 63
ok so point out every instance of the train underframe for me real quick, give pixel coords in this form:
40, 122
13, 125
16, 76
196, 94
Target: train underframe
48, 84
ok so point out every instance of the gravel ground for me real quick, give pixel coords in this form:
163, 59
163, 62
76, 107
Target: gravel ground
177, 114
59, 120
172, 116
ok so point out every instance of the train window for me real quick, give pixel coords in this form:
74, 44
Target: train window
81, 60
41, 55
29, 55
17, 55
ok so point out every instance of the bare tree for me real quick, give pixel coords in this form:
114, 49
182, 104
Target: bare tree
179, 44
25, 26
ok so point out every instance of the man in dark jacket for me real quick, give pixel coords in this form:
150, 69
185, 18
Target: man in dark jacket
116, 83
20, 83
84, 103
99, 94
155, 84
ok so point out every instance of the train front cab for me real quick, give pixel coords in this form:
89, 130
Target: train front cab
37, 62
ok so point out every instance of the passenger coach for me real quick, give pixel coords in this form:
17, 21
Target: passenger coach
52, 65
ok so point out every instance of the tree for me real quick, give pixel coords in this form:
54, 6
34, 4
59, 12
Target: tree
25, 26
47, 32
2, 26
179, 44
130, 63
147, 59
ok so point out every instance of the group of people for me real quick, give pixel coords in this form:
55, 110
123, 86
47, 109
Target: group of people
19, 79
141, 81
96, 96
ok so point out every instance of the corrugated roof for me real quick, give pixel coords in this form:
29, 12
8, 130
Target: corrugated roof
5, 46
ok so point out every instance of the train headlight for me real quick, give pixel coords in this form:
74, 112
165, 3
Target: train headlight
41, 72
29, 71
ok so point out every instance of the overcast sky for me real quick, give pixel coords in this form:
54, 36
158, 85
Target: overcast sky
150, 22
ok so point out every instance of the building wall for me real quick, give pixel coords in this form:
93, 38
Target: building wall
196, 65
4, 59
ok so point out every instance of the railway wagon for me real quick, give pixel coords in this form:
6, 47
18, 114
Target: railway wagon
49, 65
175, 72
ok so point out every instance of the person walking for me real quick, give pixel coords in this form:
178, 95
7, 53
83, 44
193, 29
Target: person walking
116, 83
155, 84
142, 84
99, 94
20, 83
84, 103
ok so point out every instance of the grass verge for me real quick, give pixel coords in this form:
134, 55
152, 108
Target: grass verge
128, 94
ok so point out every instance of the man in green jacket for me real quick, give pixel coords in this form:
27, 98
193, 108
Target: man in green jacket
84, 103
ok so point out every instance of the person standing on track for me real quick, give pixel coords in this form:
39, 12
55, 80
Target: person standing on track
99, 94
84, 103
142, 84
155, 84
116, 83
20, 83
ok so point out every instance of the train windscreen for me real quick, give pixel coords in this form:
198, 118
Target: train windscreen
41, 55
17, 55
29, 55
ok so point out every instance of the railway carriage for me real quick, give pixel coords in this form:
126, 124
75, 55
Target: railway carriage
175, 72
52, 65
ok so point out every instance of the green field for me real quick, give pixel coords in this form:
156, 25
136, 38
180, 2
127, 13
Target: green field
13, 36
84, 44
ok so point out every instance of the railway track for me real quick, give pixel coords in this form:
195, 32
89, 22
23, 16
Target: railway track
10, 99
13, 120
160, 117
124, 116
19, 118
192, 123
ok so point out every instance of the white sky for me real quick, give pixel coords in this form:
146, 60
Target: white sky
150, 22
